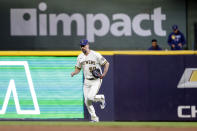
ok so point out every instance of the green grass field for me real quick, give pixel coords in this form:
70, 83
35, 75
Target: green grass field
134, 124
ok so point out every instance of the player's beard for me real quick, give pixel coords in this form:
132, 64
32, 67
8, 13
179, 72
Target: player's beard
84, 51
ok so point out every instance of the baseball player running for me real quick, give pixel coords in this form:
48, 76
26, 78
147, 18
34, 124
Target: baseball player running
90, 60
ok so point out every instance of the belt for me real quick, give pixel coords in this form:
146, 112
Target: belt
91, 78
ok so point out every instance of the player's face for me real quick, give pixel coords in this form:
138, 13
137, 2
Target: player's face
85, 48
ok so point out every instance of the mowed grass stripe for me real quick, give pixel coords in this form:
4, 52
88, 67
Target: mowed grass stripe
137, 124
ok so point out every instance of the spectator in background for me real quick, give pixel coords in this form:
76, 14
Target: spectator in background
154, 46
176, 39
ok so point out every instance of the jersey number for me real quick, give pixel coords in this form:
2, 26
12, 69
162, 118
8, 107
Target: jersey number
92, 68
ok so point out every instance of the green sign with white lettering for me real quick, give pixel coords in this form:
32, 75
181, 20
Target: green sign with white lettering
108, 25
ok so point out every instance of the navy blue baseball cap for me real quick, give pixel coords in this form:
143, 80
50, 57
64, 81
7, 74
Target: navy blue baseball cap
84, 42
174, 27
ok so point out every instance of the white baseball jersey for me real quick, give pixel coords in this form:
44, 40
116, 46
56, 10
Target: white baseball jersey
92, 61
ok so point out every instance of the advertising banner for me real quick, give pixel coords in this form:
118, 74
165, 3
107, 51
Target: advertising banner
40, 88
108, 25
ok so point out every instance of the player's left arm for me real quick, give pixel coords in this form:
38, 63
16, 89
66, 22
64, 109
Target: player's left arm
103, 62
106, 67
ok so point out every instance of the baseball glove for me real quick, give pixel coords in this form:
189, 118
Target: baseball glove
96, 73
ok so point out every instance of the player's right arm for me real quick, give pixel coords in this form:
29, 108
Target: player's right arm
77, 70
77, 67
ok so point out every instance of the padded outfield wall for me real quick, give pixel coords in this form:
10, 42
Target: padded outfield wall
155, 88
140, 86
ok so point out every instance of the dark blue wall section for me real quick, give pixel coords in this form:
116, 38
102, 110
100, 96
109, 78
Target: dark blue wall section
131, 87
165, 73
146, 87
